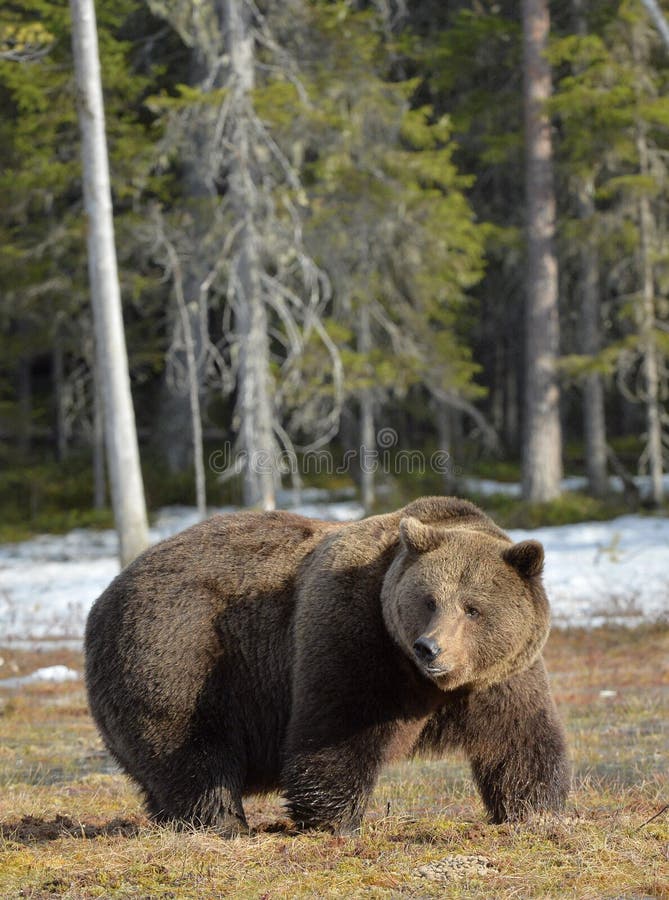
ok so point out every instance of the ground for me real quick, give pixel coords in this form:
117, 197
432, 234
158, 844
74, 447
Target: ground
72, 827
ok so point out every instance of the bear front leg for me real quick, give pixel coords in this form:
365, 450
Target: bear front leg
328, 784
516, 745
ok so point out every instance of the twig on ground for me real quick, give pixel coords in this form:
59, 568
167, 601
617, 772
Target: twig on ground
652, 818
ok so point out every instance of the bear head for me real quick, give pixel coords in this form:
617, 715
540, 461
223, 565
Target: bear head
464, 603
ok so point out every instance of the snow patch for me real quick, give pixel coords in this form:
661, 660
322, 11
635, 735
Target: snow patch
54, 674
599, 572
487, 487
596, 572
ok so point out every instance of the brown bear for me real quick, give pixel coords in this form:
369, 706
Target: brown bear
267, 651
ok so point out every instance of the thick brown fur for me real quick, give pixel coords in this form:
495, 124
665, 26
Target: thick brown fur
263, 651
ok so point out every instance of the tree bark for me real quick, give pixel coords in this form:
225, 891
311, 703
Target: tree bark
367, 433
120, 432
648, 345
174, 421
367, 451
443, 416
186, 316
254, 382
542, 452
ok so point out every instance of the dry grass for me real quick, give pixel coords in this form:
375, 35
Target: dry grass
72, 827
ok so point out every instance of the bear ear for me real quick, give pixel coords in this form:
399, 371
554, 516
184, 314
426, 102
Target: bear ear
527, 557
419, 537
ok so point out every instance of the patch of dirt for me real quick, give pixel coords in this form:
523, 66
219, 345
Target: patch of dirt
457, 868
281, 826
33, 829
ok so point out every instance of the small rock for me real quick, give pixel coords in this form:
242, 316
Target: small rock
457, 867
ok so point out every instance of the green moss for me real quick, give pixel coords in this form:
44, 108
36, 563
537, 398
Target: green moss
506, 470
565, 510
57, 497
49, 497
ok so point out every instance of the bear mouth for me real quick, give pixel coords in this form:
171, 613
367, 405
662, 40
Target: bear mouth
436, 671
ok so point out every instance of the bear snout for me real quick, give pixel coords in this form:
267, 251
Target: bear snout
426, 649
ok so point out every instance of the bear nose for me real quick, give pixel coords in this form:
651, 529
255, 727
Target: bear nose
426, 649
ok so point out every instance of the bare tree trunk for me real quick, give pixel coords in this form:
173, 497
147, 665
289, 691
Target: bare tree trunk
367, 433
648, 345
196, 417
542, 451
120, 432
443, 417
175, 416
367, 451
186, 316
254, 383
594, 426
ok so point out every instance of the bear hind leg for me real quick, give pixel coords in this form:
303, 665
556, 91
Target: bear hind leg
217, 809
197, 803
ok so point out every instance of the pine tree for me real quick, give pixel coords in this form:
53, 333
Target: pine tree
389, 205
42, 254
470, 58
613, 117
249, 224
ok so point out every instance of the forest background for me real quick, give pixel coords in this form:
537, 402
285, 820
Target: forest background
326, 240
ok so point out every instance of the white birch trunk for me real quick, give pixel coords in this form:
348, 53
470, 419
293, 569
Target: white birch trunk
121, 435
542, 444
254, 384
367, 435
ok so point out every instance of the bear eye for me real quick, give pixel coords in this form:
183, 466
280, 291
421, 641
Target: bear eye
472, 612
431, 604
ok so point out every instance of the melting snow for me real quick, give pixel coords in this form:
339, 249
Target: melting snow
50, 673
596, 572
